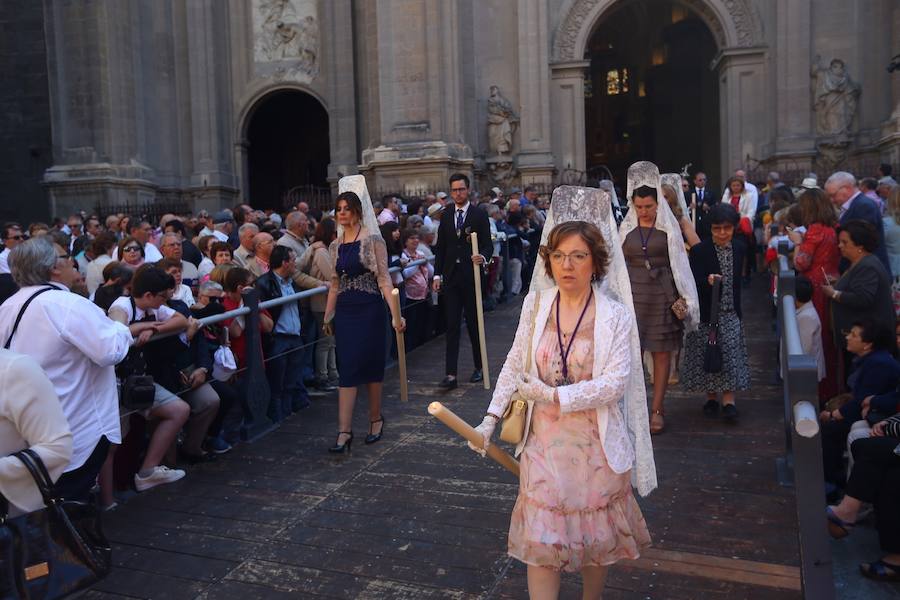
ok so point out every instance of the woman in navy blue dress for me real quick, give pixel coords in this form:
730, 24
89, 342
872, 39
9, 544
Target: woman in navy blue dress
356, 310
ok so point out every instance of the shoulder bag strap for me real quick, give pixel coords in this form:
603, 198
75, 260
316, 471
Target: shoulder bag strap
22, 312
537, 306
714, 311
28, 459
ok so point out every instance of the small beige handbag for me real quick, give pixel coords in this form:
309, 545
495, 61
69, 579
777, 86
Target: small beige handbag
515, 417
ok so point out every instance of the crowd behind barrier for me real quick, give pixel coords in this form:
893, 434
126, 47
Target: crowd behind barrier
211, 299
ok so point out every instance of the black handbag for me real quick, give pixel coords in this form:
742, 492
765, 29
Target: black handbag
712, 355
136, 391
54, 551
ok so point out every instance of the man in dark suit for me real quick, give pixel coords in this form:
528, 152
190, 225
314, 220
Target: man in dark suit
852, 204
453, 273
706, 197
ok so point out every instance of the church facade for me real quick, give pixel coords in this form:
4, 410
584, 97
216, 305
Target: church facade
210, 102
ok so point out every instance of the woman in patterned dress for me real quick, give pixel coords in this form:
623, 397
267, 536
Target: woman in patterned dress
576, 511
718, 258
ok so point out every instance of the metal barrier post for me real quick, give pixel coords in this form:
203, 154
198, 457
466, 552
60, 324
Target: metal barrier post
801, 385
256, 386
786, 287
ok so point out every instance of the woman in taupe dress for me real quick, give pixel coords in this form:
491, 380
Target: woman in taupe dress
653, 288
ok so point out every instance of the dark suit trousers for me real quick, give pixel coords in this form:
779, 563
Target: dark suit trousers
458, 298
876, 479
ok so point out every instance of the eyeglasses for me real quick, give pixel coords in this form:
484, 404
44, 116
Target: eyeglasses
216, 299
132, 249
575, 258
19, 237
63, 256
458, 190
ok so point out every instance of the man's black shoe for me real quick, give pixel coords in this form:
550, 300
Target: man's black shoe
476, 376
448, 383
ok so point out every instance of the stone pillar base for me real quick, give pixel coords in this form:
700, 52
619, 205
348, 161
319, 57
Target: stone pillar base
414, 169
103, 188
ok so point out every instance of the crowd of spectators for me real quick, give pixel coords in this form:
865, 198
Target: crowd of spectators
111, 298
845, 248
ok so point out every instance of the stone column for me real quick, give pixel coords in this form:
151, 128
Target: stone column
417, 139
795, 127
212, 180
535, 159
341, 90
568, 107
742, 92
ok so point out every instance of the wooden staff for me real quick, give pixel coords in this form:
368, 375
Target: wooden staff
449, 418
694, 209
401, 349
479, 310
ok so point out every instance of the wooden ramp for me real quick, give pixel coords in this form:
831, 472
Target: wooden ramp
418, 516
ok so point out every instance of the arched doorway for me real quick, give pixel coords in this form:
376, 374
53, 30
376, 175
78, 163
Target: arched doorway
649, 91
287, 147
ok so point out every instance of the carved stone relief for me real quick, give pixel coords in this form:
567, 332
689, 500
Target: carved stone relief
835, 98
502, 122
286, 39
743, 19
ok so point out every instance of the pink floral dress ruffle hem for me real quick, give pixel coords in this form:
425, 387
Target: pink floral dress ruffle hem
572, 511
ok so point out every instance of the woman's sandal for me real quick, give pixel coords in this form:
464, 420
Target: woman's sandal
657, 422
880, 571
837, 527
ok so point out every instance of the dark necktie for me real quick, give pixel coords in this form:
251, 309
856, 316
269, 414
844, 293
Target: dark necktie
459, 220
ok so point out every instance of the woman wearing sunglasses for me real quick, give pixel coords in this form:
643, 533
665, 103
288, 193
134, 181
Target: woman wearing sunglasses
131, 252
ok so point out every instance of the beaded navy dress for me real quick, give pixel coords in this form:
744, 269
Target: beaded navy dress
360, 313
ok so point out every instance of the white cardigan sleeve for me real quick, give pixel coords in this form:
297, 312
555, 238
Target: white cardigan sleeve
514, 364
609, 384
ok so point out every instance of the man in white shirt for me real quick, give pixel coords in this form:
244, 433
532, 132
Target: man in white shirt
76, 345
809, 324
12, 237
223, 225
171, 248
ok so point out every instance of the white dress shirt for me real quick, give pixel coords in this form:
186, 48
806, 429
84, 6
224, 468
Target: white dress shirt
4, 261
77, 346
810, 327
94, 275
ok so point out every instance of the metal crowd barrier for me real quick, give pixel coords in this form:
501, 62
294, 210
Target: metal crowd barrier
802, 463
256, 386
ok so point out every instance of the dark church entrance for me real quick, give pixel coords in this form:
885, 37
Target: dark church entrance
650, 93
287, 149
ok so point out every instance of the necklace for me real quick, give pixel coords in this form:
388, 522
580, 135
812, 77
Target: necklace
564, 351
644, 243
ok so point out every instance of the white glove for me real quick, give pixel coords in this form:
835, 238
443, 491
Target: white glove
532, 388
486, 429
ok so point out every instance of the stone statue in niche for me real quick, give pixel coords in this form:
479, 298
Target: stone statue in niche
286, 38
502, 123
835, 98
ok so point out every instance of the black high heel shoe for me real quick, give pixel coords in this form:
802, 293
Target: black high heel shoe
371, 439
341, 448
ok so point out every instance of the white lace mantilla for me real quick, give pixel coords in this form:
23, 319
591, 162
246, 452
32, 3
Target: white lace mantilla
645, 173
623, 413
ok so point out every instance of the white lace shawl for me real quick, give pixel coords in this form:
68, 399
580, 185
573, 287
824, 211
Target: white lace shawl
369, 246
673, 180
610, 188
646, 173
594, 206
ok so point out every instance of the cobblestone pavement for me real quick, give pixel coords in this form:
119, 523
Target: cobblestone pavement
418, 516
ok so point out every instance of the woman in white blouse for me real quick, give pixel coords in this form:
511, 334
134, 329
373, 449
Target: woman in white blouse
30, 416
575, 511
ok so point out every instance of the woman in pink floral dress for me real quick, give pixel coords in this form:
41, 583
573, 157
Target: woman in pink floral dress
576, 511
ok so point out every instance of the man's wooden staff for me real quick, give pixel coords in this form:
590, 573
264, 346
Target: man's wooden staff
479, 309
401, 349
449, 418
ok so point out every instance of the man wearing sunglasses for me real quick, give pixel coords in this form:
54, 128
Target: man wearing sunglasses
12, 237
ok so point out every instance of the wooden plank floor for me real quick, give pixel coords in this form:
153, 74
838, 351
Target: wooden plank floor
418, 516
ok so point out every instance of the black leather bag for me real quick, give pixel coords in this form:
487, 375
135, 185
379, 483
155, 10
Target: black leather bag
136, 391
712, 356
54, 551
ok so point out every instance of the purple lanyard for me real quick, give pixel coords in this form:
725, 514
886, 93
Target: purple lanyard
644, 244
564, 352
